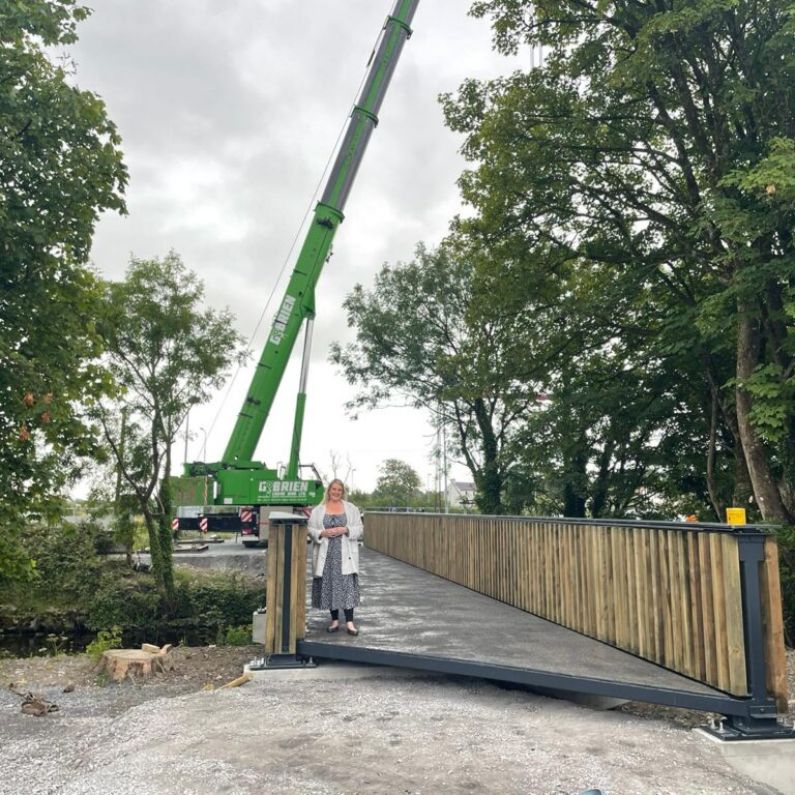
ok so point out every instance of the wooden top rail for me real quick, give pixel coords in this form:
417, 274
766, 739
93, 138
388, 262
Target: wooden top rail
711, 527
669, 592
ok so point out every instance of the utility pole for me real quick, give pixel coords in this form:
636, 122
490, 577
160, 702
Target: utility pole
444, 462
187, 434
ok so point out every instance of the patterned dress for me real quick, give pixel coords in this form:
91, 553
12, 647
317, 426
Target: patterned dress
335, 590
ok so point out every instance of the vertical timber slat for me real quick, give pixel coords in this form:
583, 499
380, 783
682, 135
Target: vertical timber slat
672, 596
735, 644
719, 612
775, 653
708, 609
271, 591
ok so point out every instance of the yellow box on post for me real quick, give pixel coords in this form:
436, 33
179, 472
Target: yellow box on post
735, 516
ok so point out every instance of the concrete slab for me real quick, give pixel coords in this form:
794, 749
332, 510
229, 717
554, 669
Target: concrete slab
333, 670
771, 762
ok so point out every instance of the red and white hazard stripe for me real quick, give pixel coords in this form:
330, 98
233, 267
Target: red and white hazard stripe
175, 524
203, 524
246, 515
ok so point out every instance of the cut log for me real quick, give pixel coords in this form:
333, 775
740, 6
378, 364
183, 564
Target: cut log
38, 707
34, 705
241, 680
121, 663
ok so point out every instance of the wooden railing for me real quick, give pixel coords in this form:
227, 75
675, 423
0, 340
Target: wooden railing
670, 593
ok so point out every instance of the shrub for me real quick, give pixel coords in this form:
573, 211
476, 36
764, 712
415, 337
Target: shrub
217, 599
124, 598
238, 636
104, 543
106, 639
102, 593
66, 558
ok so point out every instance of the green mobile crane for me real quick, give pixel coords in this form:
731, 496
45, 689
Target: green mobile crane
237, 484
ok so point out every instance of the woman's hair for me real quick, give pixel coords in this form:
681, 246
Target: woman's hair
328, 489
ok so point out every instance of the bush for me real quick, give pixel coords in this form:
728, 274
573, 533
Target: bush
101, 593
106, 639
124, 598
218, 603
66, 558
238, 636
225, 600
104, 543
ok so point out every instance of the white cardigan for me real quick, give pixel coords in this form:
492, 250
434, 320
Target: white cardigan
350, 542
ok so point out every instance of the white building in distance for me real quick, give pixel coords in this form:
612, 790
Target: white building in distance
460, 494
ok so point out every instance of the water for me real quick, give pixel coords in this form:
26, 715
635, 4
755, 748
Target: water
42, 644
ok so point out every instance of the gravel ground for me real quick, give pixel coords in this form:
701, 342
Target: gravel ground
336, 729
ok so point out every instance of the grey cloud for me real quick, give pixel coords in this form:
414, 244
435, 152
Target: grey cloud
228, 113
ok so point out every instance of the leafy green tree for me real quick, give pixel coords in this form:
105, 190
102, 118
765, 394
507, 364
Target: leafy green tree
398, 484
419, 335
361, 498
60, 167
656, 145
166, 352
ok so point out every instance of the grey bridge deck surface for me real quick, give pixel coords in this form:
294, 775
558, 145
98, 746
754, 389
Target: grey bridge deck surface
409, 611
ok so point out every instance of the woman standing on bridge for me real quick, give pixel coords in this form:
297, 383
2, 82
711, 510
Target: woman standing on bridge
336, 527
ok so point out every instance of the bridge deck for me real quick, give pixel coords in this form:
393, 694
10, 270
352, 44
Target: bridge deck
414, 619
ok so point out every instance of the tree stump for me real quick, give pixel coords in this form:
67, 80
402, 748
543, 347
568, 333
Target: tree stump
143, 662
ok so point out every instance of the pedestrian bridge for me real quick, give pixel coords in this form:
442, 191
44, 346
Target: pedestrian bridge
684, 615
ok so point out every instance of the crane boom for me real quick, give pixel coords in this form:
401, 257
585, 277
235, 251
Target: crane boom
298, 303
238, 479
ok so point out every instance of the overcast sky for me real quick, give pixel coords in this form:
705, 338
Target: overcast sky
229, 112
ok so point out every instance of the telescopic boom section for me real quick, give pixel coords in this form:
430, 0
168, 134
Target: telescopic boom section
298, 303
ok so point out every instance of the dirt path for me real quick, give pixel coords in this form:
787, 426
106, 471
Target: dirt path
336, 729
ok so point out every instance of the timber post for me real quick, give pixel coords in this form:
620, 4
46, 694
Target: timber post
761, 720
285, 600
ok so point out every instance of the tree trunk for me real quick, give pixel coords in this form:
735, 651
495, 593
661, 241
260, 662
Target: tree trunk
743, 492
122, 515
602, 484
573, 481
489, 497
155, 554
712, 488
166, 535
166, 547
765, 490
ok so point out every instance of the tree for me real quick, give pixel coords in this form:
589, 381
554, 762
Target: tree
166, 351
420, 335
398, 484
60, 167
656, 145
